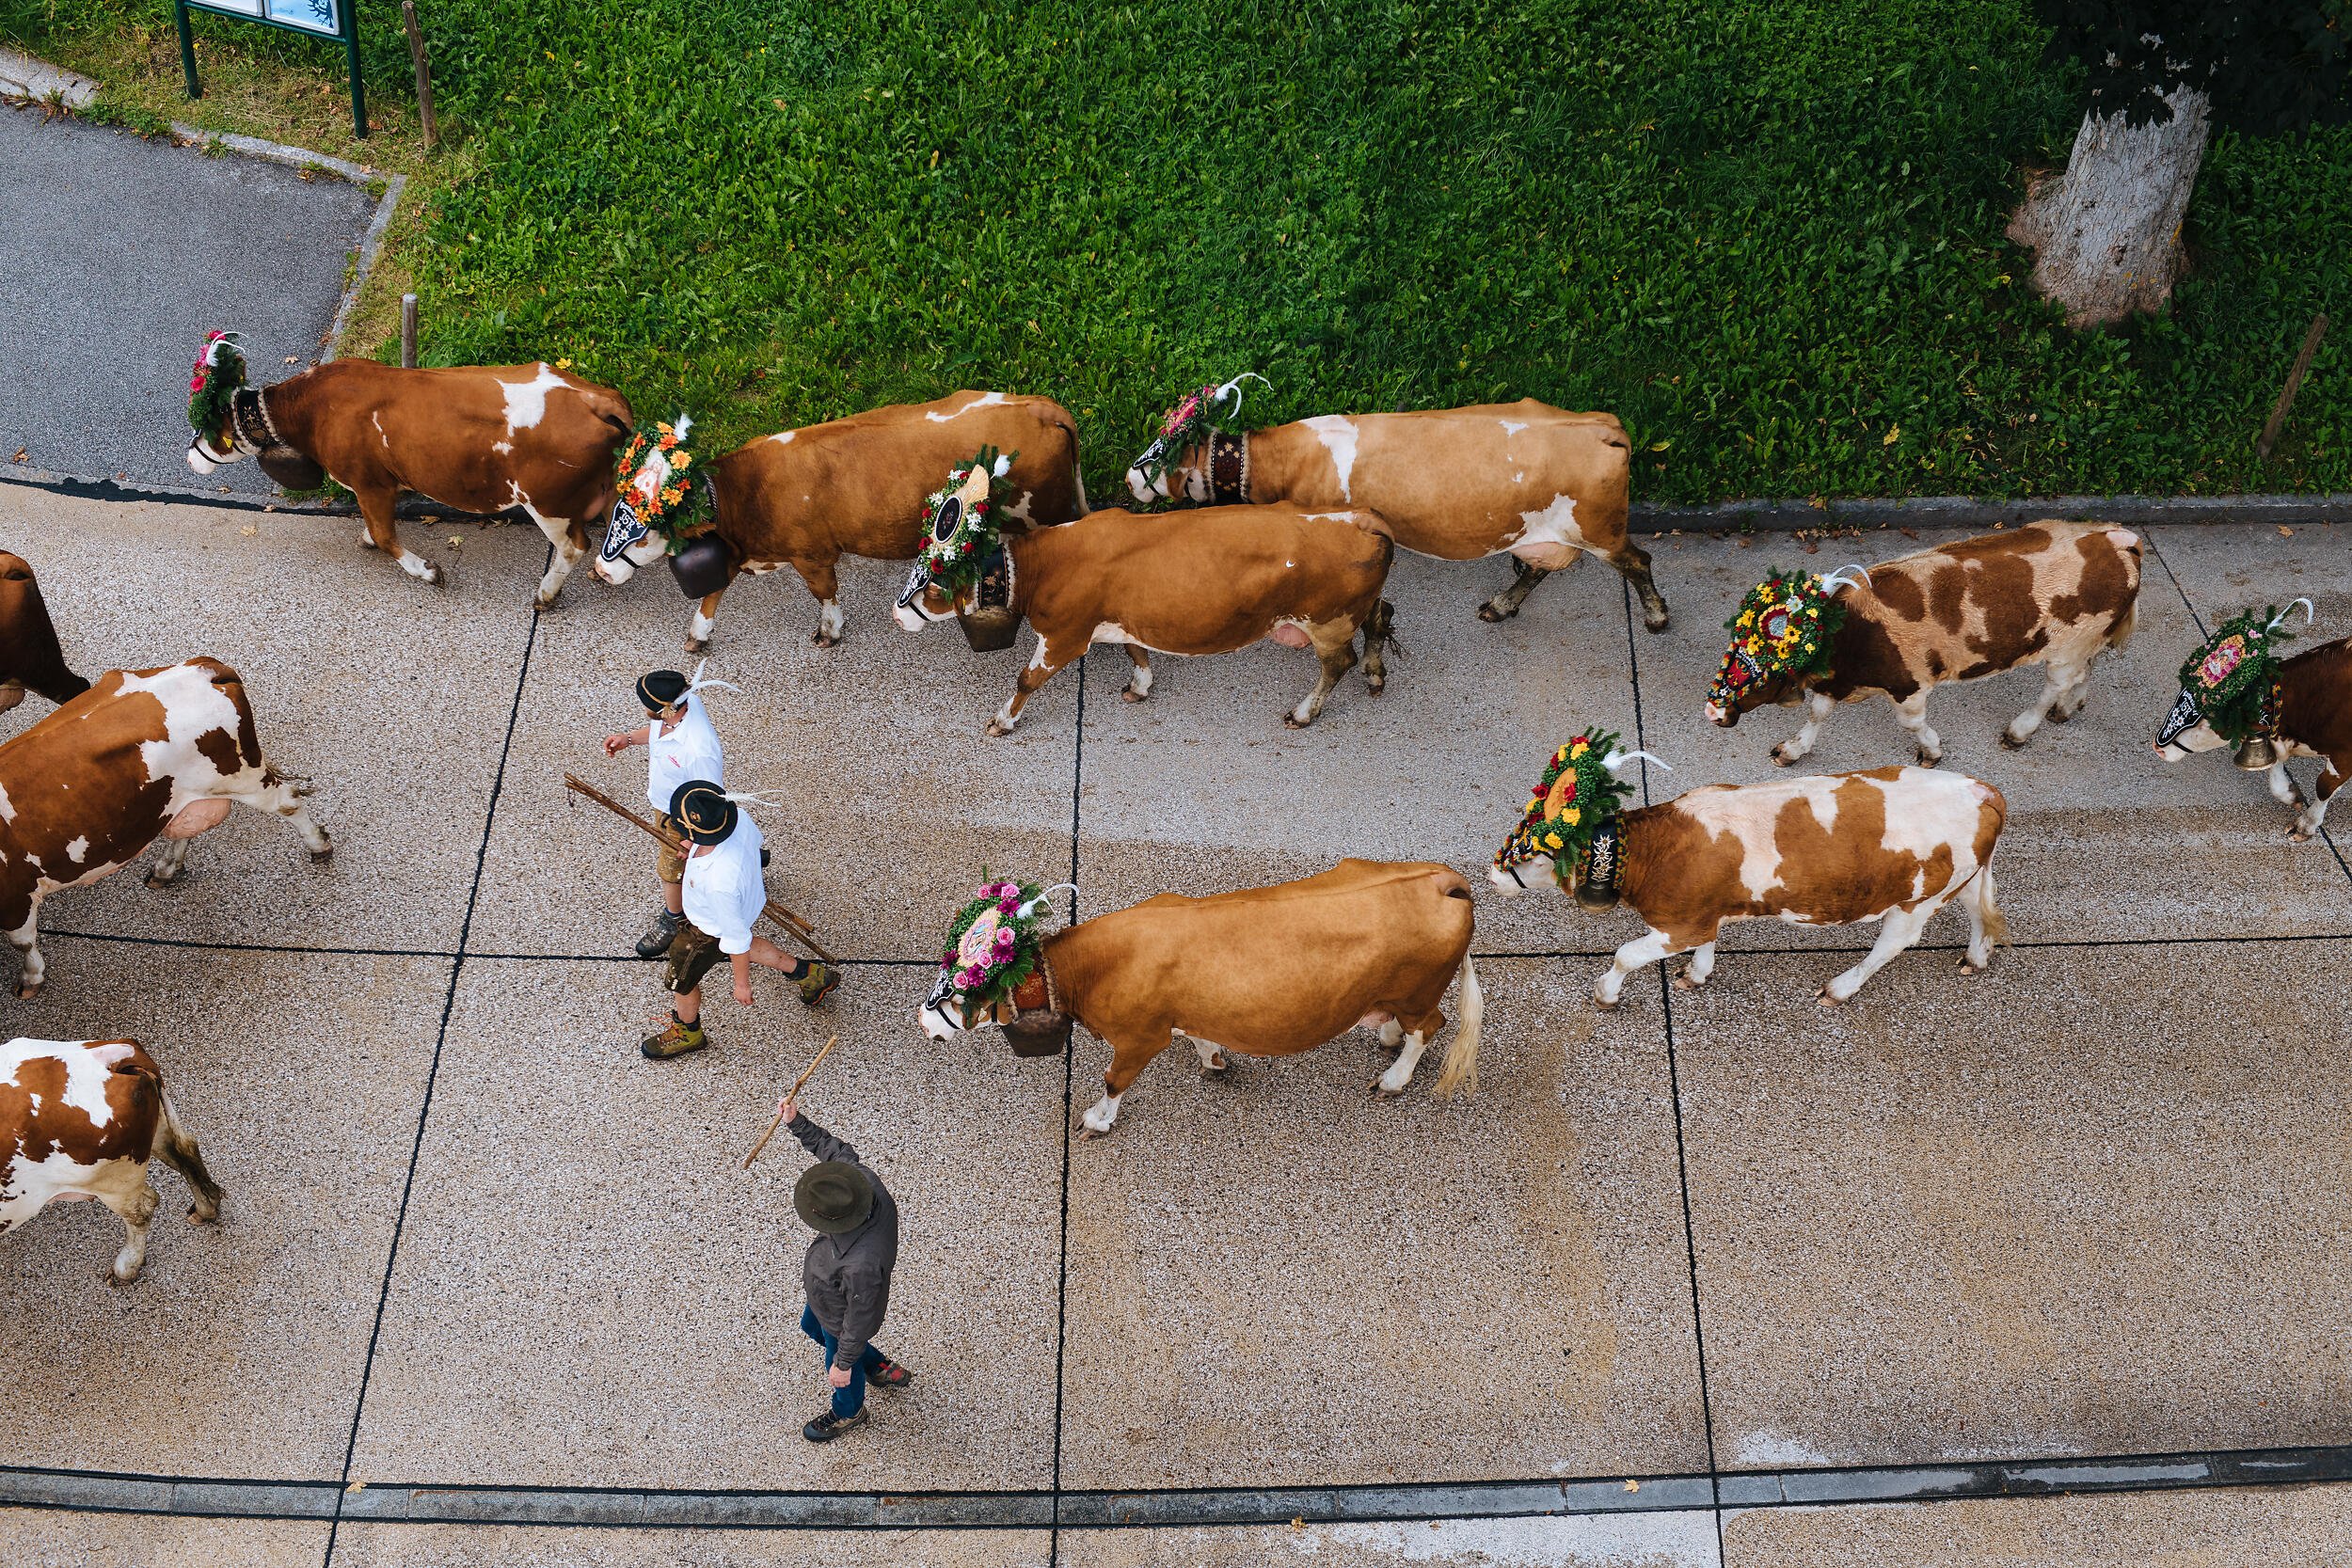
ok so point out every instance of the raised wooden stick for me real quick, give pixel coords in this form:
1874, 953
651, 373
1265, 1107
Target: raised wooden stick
793, 1093
2270, 438
794, 927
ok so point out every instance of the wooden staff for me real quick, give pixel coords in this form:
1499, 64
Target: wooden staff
791, 1094
793, 925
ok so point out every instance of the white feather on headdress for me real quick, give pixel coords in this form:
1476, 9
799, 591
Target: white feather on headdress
2307, 616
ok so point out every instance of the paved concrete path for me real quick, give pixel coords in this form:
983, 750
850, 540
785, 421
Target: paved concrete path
118, 255
2004, 1228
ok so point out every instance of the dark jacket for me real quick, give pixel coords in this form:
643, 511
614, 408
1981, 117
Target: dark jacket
847, 1276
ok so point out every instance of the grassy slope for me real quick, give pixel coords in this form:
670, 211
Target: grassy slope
1766, 235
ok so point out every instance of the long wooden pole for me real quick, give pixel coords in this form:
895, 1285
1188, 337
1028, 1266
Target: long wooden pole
794, 927
2294, 384
791, 1094
424, 73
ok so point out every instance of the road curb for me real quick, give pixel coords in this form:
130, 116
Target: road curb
22, 76
1782, 516
646, 1508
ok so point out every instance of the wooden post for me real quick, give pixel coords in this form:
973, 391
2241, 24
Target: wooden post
2295, 383
424, 73
407, 332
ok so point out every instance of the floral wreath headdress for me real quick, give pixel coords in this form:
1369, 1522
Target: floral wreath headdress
1579, 794
212, 390
993, 946
2232, 682
1788, 623
1193, 420
966, 525
677, 506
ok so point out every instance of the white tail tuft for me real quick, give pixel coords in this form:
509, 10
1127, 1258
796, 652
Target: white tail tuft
1460, 1073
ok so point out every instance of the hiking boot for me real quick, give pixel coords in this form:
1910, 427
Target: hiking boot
816, 982
676, 1041
827, 1427
656, 942
888, 1375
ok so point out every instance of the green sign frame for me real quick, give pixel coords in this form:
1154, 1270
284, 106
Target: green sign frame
318, 19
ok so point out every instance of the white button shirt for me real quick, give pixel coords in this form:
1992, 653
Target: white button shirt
690, 751
724, 890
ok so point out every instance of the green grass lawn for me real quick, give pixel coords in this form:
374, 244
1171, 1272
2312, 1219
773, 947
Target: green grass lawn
1768, 235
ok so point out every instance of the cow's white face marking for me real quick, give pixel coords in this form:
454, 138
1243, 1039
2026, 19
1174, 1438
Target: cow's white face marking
75, 850
985, 400
87, 1069
527, 400
1147, 489
1337, 432
2200, 736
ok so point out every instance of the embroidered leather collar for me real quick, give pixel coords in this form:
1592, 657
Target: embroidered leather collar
1603, 861
1229, 467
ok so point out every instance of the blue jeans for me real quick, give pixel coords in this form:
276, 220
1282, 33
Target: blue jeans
845, 1402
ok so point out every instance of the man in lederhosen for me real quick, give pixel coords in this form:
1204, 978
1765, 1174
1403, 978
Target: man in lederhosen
680, 744
722, 894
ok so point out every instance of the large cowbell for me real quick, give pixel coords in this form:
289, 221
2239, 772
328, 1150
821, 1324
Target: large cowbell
701, 566
990, 623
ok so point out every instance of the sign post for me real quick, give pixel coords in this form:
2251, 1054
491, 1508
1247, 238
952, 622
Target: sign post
326, 19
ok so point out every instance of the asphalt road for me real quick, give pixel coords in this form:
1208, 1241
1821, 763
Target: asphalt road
116, 256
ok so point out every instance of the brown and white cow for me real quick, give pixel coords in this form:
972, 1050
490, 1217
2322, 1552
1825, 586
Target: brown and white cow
481, 439
1540, 484
1893, 845
1194, 582
2052, 593
805, 497
142, 754
2314, 720
1265, 972
81, 1120
29, 654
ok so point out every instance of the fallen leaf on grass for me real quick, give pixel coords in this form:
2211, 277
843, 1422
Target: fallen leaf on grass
1893, 435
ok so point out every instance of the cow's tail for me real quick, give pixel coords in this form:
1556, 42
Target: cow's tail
177, 1148
1988, 913
2119, 634
1059, 418
612, 408
1460, 1073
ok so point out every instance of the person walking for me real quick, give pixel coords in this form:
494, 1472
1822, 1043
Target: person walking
722, 892
680, 744
846, 1273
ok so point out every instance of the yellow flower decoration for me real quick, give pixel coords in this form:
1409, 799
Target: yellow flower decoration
1572, 816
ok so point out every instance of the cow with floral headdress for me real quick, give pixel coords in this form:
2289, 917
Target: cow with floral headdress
1265, 972
2057, 595
1542, 485
481, 439
1892, 844
2237, 691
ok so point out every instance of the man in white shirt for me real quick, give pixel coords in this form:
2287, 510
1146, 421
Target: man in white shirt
722, 893
680, 744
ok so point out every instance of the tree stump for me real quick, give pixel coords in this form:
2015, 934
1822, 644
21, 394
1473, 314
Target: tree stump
2106, 234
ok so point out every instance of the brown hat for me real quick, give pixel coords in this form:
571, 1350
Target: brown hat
835, 1197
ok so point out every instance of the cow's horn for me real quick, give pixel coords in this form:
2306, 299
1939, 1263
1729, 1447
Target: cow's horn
1615, 760
1044, 894
2308, 617
1232, 389
1839, 576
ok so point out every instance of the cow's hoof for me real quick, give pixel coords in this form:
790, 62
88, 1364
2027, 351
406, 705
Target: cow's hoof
433, 577
1684, 982
198, 1216
1489, 613
1826, 1000
2296, 836
1088, 1135
320, 857
1378, 684
1972, 970
1292, 721
117, 1281
697, 645
1658, 625
822, 640
2057, 717
26, 993
1925, 758
1378, 1092
1782, 759
996, 731
1131, 693
2010, 742
155, 881
1604, 1006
